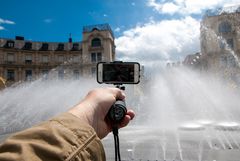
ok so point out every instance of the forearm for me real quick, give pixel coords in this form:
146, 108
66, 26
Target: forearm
65, 137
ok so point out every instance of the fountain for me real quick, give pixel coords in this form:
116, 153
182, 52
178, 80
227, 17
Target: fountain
186, 116
32, 102
181, 114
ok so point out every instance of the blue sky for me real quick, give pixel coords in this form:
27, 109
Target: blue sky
53, 20
148, 31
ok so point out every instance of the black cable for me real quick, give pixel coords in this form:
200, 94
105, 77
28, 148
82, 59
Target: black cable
116, 143
116, 115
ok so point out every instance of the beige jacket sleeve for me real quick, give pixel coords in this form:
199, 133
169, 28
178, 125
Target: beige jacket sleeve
63, 138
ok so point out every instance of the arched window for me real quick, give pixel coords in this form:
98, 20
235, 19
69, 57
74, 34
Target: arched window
96, 42
95, 28
224, 27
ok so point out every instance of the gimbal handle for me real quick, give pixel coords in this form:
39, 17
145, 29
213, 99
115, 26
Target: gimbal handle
118, 110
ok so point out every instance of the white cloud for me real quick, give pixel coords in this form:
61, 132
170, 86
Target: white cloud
2, 21
9, 22
187, 7
5, 22
48, 20
170, 8
157, 42
133, 4
117, 29
105, 15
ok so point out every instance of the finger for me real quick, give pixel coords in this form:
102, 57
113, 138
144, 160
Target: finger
117, 93
128, 117
131, 113
125, 121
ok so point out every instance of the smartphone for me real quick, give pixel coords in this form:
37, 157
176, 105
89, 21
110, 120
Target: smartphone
118, 72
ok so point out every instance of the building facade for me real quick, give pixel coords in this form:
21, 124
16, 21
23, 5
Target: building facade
22, 60
220, 45
220, 40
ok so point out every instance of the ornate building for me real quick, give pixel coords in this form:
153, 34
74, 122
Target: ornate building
220, 44
22, 60
220, 40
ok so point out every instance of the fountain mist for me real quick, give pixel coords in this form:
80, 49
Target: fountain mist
179, 119
180, 114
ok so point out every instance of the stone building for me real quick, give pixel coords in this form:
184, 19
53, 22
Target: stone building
195, 61
220, 40
220, 44
22, 60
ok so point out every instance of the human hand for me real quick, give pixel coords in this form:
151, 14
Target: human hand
95, 106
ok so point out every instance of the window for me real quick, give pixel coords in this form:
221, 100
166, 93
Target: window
10, 57
28, 75
226, 43
222, 44
231, 61
61, 74
28, 59
230, 43
45, 58
10, 75
60, 58
76, 58
44, 46
10, 44
93, 71
96, 57
99, 57
76, 74
228, 61
224, 27
45, 74
60, 47
75, 46
96, 42
93, 57
223, 61
27, 46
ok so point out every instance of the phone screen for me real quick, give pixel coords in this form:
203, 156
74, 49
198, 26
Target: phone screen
122, 73
118, 72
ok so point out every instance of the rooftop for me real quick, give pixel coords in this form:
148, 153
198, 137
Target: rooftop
222, 10
100, 27
41, 46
